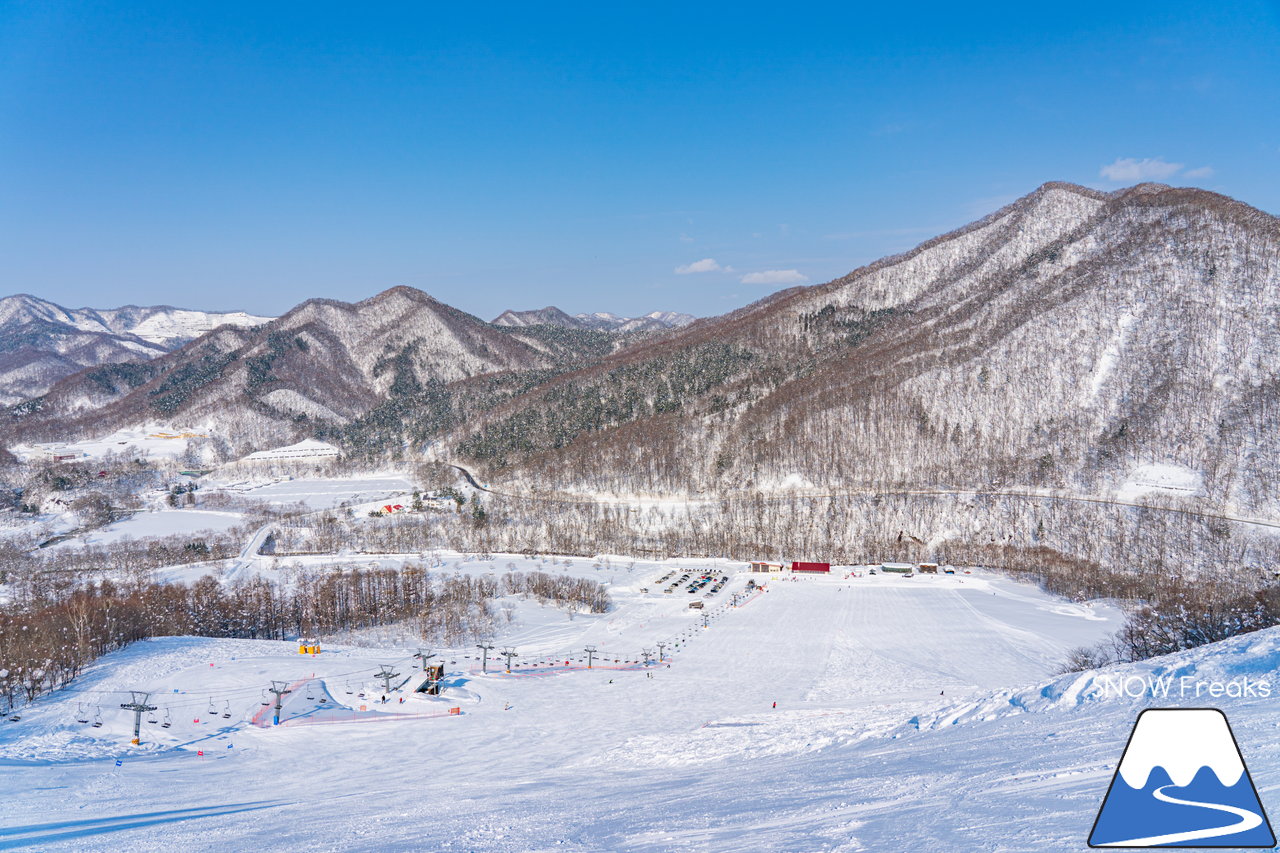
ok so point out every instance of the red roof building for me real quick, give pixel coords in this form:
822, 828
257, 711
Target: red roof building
810, 567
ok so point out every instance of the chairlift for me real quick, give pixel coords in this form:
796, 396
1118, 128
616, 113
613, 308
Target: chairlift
349, 688
82, 716
265, 700
97, 718
168, 721
226, 712
213, 712
310, 698
151, 718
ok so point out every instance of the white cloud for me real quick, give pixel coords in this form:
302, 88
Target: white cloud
1202, 172
1146, 169
704, 265
775, 277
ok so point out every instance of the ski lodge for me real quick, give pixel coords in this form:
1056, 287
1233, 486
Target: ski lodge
810, 567
766, 567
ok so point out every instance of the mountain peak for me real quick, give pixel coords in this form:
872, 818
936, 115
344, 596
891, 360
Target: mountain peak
548, 316
400, 293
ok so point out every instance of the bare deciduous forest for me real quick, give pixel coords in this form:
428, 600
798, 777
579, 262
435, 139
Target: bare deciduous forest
47, 637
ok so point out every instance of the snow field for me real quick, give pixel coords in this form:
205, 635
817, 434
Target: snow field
152, 440
317, 492
159, 524
691, 756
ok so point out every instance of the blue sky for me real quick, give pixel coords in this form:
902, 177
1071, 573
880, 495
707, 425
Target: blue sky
234, 155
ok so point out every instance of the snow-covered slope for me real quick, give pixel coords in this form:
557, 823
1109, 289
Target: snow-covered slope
686, 754
172, 327
911, 714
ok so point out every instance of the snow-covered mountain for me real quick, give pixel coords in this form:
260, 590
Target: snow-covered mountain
1064, 340
1072, 345
42, 342
158, 324
322, 363
654, 321
1059, 349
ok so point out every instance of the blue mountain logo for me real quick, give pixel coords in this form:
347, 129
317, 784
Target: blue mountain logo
1182, 782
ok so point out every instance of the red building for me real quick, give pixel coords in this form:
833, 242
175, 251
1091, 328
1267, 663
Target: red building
810, 567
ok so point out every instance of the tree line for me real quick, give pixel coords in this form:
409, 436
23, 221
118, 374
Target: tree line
48, 637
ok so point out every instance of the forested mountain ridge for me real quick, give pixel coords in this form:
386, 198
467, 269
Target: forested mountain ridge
1059, 342
325, 362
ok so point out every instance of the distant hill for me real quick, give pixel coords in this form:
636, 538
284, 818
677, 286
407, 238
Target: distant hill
655, 321
41, 342
322, 364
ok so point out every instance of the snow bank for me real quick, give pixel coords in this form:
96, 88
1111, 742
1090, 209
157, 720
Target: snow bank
1237, 664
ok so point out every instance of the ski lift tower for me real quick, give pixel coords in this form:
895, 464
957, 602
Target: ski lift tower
138, 705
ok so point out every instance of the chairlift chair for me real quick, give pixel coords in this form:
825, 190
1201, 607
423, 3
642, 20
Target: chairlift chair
213, 712
82, 716
265, 700
168, 721
226, 712
97, 719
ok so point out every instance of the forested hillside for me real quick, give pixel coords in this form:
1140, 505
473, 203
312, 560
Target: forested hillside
1060, 342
